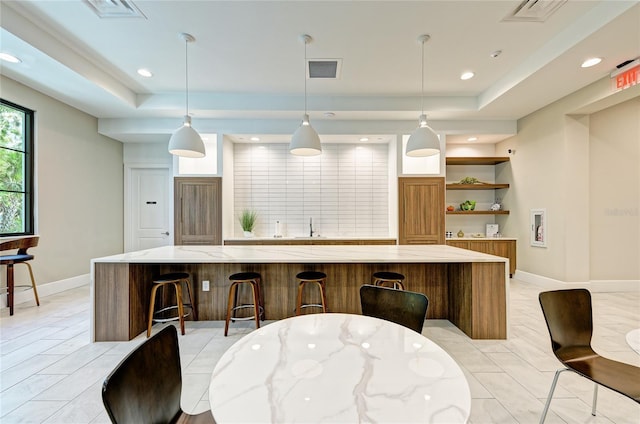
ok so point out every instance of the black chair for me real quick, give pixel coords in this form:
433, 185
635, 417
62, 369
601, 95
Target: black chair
146, 386
569, 320
403, 307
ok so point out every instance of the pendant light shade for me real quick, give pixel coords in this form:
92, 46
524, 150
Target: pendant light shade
424, 141
305, 141
185, 141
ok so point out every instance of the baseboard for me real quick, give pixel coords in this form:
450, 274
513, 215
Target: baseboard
22, 296
593, 285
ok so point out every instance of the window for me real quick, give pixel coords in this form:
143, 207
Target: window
16, 169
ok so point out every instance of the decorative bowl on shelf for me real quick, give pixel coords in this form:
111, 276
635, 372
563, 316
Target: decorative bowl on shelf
468, 205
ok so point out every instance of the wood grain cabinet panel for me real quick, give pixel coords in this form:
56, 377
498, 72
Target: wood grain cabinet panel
421, 210
198, 211
503, 248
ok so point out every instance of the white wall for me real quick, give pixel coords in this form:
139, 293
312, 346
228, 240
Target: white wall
345, 190
561, 164
79, 184
614, 223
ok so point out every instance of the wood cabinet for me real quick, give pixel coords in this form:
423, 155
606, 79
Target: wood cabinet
198, 211
421, 210
503, 248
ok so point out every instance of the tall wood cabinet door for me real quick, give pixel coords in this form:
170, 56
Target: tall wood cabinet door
421, 210
198, 210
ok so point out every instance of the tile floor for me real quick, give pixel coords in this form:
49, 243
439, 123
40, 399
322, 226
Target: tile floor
51, 373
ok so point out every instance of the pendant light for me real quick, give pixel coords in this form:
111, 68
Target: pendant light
424, 141
305, 141
185, 141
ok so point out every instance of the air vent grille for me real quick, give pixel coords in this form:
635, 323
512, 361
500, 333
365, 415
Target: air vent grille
324, 68
115, 9
534, 10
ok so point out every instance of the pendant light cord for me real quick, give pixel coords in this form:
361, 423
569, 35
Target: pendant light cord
422, 79
186, 72
305, 76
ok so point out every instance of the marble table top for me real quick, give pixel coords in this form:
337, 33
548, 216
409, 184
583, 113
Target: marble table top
436, 253
633, 339
337, 368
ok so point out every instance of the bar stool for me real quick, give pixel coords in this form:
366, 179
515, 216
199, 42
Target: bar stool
20, 257
253, 279
175, 280
386, 279
311, 277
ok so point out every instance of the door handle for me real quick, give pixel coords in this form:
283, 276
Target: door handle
166, 233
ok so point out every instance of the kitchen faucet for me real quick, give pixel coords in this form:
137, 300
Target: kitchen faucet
311, 227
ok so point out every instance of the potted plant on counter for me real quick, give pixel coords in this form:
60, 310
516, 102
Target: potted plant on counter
248, 220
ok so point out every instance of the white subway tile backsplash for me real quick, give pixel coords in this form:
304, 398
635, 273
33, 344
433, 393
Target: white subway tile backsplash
345, 190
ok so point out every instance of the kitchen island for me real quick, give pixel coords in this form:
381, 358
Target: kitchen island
468, 288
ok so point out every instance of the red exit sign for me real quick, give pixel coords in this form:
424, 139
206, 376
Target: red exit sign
627, 76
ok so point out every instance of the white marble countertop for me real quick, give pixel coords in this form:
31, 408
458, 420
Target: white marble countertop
436, 253
337, 368
480, 238
309, 238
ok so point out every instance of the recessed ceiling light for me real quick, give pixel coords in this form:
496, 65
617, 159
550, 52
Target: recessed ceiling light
364, 139
145, 73
591, 62
472, 139
467, 75
255, 139
329, 114
9, 58
496, 53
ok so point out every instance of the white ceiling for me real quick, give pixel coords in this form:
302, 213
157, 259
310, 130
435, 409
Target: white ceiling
246, 68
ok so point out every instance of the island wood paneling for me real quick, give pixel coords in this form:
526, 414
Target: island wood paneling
472, 296
478, 299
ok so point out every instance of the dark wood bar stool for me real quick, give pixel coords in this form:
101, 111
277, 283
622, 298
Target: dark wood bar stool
253, 279
311, 277
393, 280
174, 280
21, 257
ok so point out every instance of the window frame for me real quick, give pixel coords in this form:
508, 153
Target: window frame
29, 169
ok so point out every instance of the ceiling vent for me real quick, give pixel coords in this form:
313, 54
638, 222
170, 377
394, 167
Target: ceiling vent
115, 9
324, 68
534, 10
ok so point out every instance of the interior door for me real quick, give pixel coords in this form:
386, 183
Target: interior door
150, 208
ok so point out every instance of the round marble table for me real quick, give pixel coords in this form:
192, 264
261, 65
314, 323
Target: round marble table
337, 368
633, 339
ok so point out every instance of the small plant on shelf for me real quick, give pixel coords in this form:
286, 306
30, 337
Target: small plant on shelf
470, 181
248, 220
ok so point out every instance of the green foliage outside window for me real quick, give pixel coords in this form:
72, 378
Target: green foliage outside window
12, 170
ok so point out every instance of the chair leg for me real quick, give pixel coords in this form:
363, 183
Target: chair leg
179, 301
10, 288
299, 302
230, 302
323, 296
194, 307
553, 387
595, 399
152, 304
255, 289
33, 283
